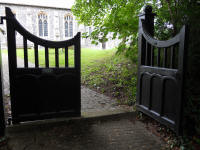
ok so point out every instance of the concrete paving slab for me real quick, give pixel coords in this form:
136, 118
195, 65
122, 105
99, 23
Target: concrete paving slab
114, 132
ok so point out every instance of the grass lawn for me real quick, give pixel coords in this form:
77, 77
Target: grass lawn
101, 70
88, 56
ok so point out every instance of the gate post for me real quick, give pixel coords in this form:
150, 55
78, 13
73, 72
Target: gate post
148, 18
2, 118
149, 26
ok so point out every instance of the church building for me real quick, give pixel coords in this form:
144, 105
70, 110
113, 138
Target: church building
51, 22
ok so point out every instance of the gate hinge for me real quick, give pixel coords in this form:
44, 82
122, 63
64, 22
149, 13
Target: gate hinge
2, 18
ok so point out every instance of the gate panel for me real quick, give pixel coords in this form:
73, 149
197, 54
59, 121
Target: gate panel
160, 74
2, 117
42, 92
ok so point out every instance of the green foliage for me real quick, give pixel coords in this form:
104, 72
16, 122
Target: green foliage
121, 18
116, 16
114, 76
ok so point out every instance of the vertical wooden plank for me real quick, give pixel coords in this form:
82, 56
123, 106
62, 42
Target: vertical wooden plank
141, 61
66, 57
150, 93
56, 57
46, 57
25, 52
77, 59
182, 60
161, 94
139, 89
158, 57
172, 59
146, 54
2, 117
142, 50
77, 53
36, 55
11, 41
152, 55
165, 58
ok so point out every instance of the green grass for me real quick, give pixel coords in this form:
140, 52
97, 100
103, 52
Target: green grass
89, 57
114, 76
101, 70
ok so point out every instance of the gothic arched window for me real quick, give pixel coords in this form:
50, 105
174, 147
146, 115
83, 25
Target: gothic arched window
40, 28
66, 29
45, 28
68, 26
42, 24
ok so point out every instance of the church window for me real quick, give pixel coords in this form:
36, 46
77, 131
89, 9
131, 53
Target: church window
68, 26
66, 29
45, 28
40, 28
70, 29
42, 24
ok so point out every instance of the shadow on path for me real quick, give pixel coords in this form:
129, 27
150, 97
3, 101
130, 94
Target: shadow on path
116, 132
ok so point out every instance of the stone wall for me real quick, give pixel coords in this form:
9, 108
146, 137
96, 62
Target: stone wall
28, 17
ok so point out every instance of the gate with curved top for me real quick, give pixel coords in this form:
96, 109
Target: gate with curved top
160, 74
42, 92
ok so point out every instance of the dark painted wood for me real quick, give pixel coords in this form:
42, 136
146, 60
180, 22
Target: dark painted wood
143, 50
56, 57
141, 61
66, 57
158, 57
165, 58
182, 53
146, 55
36, 56
2, 117
25, 53
46, 57
172, 59
160, 87
78, 68
12, 61
42, 92
152, 56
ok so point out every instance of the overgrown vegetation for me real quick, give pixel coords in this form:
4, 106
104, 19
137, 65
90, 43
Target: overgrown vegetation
121, 18
114, 76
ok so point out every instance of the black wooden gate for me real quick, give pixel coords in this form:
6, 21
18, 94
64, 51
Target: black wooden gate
160, 74
42, 92
2, 118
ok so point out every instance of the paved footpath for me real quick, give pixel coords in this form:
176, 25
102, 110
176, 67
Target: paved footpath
102, 126
116, 132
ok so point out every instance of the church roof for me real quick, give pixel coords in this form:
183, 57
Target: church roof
64, 4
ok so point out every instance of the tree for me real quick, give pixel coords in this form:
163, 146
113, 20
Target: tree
117, 16
121, 18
